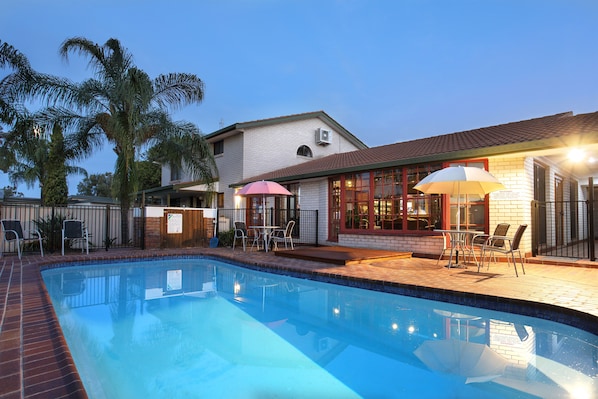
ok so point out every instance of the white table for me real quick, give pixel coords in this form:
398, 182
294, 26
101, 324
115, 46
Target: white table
459, 241
265, 232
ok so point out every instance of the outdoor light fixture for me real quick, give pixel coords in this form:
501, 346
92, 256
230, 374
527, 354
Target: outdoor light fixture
576, 155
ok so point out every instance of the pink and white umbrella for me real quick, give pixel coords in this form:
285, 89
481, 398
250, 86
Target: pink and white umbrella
265, 188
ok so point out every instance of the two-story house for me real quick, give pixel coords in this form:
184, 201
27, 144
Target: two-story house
247, 149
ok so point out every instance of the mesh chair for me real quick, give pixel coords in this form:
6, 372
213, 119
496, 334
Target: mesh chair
12, 231
240, 233
285, 235
479, 240
510, 246
74, 231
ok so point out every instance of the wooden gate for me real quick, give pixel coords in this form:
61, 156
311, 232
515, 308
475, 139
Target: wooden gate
183, 228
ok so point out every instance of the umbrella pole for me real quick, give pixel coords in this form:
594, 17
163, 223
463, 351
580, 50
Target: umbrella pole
458, 225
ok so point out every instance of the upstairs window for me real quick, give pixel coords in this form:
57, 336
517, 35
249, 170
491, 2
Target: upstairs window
219, 147
175, 173
305, 151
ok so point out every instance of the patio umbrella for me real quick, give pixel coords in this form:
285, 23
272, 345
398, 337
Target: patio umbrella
476, 362
264, 188
458, 180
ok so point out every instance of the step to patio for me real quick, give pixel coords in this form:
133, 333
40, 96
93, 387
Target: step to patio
342, 255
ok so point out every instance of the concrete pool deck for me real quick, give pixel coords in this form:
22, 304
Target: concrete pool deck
35, 362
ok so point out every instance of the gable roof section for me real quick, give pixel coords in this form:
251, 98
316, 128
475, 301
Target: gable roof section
240, 127
555, 131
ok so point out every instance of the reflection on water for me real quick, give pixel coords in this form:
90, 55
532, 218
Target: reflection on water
204, 328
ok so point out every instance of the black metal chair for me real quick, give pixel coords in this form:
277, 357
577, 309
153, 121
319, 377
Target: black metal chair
12, 231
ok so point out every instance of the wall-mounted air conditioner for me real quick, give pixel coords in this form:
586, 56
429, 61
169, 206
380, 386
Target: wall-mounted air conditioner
323, 136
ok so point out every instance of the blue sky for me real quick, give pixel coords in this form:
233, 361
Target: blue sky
388, 71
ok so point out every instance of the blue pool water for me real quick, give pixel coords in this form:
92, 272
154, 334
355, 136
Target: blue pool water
203, 328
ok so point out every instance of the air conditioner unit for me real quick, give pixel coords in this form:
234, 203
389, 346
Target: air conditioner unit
323, 136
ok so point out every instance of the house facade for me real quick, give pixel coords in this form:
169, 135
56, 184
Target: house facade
252, 148
366, 198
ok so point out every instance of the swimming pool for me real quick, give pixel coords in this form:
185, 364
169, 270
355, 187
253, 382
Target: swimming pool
204, 328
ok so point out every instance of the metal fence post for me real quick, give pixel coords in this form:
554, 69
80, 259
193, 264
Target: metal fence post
317, 227
591, 231
107, 231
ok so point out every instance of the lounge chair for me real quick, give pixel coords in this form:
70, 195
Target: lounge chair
12, 231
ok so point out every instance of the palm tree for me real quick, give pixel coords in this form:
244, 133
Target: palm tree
131, 111
36, 159
25, 149
13, 59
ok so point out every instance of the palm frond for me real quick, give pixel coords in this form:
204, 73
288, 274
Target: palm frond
176, 90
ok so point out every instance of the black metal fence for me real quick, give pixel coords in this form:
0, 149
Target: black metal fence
304, 232
107, 228
104, 223
563, 229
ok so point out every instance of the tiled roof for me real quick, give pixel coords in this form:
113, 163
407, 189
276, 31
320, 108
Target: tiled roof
552, 131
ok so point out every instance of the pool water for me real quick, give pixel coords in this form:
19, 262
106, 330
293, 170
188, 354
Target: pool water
204, 328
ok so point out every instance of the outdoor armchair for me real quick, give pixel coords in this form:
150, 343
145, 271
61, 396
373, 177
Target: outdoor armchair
75, 231
284, 235
480, 240
241, 233
511, 245
12, 231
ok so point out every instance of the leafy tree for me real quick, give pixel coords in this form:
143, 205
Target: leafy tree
11, 192
99, 185
149, 175
124, 106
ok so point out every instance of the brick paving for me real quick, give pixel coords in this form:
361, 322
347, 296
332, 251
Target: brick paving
35, 362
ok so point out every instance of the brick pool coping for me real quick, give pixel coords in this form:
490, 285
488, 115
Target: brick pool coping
35, 361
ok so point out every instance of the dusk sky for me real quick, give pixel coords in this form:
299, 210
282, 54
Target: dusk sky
388, 71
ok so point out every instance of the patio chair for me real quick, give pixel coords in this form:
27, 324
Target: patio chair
12, 231
511, 245
479, 240
446, 246
75, 231
284, 235
243, 234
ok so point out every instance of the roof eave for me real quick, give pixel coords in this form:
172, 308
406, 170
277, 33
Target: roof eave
508, 149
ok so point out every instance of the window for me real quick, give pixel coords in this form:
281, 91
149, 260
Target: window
304, 151
220, 200
473, 207
175, 172
219, 147
386, 200
357, 201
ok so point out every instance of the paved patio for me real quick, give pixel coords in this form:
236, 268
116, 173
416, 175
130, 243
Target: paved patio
35, 362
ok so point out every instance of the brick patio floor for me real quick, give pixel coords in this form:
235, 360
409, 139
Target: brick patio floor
35, 362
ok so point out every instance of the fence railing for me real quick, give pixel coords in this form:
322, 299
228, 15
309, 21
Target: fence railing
561, 229
304, 232
104, 223
107, 229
